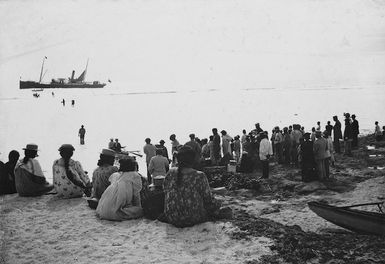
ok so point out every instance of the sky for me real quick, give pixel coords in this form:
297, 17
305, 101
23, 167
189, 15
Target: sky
195, 45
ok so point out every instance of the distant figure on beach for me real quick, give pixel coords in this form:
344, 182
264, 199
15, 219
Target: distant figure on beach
329, 158
82, 133
150, 151
159, 165
377, 131
329, 128
121, 200
73, 102
111, 144
308, 165
174, 143
53, 94
337, 134
243, 137
29, 177
278, 142
101, 175
188, 198
196, 148
63, 102
320, 147
296, 139
265, 152
216, 147
318, 128
237, 149
117, 146
312, 136
7, 173
286, 145
348, 135
226, 148
69, 178
163, 148
257, 129
355, 132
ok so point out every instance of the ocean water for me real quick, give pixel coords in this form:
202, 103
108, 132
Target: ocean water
185, 67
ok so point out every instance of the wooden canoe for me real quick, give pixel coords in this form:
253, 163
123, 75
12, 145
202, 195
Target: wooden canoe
355, 220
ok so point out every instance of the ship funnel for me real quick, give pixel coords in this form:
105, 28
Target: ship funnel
73, 75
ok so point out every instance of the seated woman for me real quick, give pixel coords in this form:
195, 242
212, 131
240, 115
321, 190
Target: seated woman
103, 172
121, 200
188, 199
29, 177
69, 179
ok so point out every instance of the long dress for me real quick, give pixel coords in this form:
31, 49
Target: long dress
64, 187
121, 200
190, 202
30, 180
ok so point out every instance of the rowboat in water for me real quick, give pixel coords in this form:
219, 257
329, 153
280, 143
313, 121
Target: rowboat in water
355, 220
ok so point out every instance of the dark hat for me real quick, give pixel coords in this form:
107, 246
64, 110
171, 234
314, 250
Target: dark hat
353, 116
162, 141
108, 152
66, 146
306, 135
31, 146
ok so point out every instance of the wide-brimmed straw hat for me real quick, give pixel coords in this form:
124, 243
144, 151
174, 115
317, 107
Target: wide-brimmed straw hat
108, 152
66, 146
31, 146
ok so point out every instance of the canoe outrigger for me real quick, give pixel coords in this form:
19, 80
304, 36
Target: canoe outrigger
352, 219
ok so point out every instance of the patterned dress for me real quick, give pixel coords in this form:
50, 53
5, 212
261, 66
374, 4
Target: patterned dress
64, 187
191, 202
100, 180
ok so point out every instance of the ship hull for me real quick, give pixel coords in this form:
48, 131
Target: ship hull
34, 85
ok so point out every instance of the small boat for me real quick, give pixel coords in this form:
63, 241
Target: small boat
71, 82
355, 220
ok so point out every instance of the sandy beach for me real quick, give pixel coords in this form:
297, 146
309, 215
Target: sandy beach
47, 229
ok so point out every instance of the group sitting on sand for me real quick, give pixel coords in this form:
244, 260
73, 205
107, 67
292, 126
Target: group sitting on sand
184, 198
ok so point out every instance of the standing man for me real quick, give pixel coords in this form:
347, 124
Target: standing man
174, 144
196, 148
150, 152
348, 135
337, 134
163, 148
320, 147
265, 151
216, 146
355, 132
159, 165
82, 133
278, 142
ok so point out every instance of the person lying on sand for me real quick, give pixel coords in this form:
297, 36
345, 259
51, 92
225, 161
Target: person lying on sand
69, 179
29, 177
188, 199
121, 200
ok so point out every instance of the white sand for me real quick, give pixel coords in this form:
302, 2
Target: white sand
50, 230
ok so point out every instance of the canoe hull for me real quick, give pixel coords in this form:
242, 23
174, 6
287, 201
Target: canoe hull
354, 220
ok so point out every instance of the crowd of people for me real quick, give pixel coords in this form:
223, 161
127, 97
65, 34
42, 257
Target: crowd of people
120, 192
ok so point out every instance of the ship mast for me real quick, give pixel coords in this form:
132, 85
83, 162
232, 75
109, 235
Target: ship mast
41, 71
